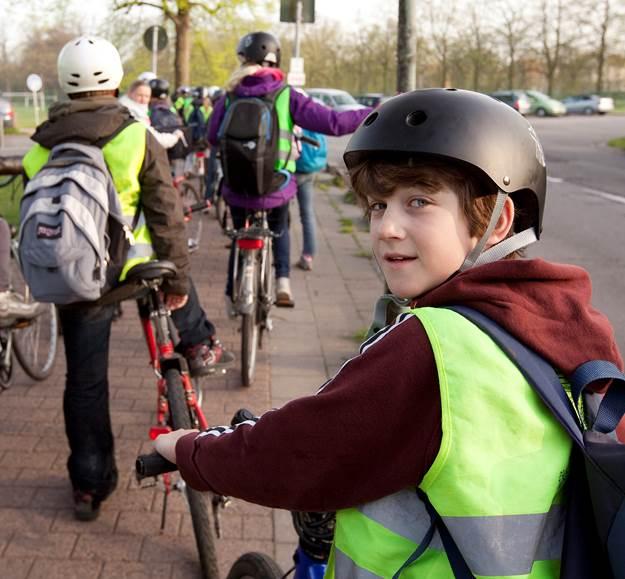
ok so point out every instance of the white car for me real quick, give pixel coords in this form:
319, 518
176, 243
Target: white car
339, 100
588, 104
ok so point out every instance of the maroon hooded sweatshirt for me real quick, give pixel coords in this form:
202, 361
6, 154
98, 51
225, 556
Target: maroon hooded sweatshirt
375, 428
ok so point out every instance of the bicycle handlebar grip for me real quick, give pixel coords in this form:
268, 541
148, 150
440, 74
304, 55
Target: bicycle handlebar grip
241, 415
310, 141
153, 464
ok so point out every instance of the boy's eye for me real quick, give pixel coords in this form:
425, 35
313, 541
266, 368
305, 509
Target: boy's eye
376, 206
418, 202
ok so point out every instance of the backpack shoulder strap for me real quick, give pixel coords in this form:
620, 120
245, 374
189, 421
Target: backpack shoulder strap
100, 143
535, 369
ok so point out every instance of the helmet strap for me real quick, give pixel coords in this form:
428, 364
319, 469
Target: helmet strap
475, 253
478, 256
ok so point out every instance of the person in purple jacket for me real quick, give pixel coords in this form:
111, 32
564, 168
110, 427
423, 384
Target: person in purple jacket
259, 75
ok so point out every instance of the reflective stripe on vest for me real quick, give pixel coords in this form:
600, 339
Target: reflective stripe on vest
497, 435
285, 127
124, 155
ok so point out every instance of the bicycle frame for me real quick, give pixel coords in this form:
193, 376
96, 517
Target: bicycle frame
306, 567
156, 324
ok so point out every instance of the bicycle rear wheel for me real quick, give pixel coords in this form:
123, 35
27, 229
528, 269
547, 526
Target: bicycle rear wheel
191, 196
181, 418
35, 344
255, 566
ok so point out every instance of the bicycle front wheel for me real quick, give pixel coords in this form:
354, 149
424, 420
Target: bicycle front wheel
181, 418
35, 344
255, 566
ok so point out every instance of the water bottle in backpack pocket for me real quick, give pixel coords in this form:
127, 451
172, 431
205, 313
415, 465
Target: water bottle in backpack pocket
73, 240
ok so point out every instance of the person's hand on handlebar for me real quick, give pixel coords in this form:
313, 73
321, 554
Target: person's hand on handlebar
175, 302
165, 444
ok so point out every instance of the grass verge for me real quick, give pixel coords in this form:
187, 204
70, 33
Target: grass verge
617, 143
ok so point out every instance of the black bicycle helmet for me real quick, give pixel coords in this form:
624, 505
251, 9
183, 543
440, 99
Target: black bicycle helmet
160, 88
462, 126
259, 47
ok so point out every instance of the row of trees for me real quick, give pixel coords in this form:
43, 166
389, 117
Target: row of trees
553, 45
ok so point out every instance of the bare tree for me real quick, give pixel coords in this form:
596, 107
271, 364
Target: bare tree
179, 13
514, 32
442, 20
604, 16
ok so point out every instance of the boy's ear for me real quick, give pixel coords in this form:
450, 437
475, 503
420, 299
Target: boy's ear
504, 225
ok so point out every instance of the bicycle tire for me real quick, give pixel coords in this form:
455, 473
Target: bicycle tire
221, 212
250, 332
255, 565
181, 418
35, 345
6, 370
266, 290
191, 196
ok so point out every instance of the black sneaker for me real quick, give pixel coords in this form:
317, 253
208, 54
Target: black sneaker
204, 358
86, 506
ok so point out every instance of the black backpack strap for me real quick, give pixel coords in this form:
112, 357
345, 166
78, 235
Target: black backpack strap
612, 407
456, 560
104, 140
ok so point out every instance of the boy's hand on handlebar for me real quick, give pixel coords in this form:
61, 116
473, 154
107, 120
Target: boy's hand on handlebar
175, 302
165, 444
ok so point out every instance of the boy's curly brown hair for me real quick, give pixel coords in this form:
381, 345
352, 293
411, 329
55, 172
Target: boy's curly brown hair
378, 176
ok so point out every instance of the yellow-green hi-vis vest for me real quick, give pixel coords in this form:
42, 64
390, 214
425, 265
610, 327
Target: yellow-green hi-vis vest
285, 126
124, 156
496, 481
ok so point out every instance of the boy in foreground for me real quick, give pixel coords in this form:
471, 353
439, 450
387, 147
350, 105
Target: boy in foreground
454, 184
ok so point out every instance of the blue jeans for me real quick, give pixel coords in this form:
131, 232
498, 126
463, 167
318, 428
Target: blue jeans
305, 192
86, 334
278, 219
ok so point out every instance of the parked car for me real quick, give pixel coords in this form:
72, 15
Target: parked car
7, 114
543, 105
372, 99
334, 98
588, 104
517, 99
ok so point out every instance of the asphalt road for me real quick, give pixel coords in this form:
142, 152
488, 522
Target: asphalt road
584, 222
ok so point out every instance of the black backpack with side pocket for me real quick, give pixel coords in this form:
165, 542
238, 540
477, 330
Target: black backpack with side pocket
594, 535
249, 144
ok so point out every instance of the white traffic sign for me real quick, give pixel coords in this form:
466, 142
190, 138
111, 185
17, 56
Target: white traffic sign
296, 78
34, 82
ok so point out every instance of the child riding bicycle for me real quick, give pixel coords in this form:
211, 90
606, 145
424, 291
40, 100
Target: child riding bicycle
432, 414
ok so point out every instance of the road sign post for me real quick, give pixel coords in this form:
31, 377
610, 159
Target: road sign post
155, 40
34, 84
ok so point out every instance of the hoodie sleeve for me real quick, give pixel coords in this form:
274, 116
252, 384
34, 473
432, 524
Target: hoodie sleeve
215, 120
313, 116
372, 430
162, 206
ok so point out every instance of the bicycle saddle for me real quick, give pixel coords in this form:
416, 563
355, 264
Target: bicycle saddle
152, 270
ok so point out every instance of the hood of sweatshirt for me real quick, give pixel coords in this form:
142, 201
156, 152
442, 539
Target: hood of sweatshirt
84, 120
547, 306
264, 81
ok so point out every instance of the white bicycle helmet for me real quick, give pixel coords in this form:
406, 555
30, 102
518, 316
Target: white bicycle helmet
146, 76
89, 63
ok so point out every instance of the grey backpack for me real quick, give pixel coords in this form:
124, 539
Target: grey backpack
73, 240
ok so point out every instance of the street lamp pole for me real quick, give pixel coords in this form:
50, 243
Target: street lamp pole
407, 45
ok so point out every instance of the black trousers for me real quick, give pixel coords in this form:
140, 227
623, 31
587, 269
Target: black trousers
86, 333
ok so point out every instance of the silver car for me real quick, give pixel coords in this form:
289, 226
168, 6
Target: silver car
339, 100
588, 104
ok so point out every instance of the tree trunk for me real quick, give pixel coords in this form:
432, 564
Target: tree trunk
183, 47
602, 46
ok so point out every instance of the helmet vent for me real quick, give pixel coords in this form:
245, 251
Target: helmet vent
97, 73
370, 119
72, 83
416, 118
75, 75
103, 80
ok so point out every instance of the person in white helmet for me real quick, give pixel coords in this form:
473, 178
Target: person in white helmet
90, 71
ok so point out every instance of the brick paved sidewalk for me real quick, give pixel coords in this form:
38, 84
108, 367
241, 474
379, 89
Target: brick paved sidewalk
38, 535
